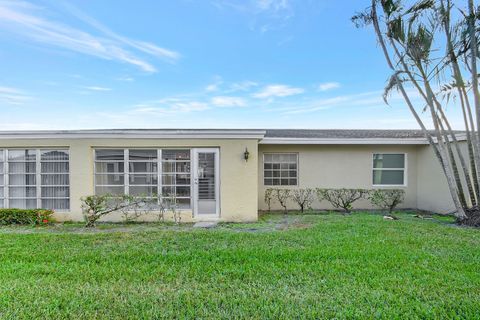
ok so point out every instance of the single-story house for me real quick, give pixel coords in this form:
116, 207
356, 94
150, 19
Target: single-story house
218, 174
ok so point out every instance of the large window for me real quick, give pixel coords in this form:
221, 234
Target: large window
34, 178
280, 169
145, 172
389, 169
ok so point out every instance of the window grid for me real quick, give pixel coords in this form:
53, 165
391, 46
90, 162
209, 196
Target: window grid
153, 174
378, 170
179, 179
280, 169
54, 179
27, 168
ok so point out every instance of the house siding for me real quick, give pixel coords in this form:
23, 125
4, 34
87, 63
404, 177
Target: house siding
241, 182
339, 166
238, 178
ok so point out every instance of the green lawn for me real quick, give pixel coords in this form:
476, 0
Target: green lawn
312, 266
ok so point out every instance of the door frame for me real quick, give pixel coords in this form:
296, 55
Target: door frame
195, 152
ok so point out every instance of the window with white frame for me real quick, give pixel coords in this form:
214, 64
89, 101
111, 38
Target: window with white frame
137, 172
54, 179
35, 178
176, 176
280, 169
389, 169
143, 172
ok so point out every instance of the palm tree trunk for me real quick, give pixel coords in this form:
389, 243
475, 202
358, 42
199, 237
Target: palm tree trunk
474, 54
438, 149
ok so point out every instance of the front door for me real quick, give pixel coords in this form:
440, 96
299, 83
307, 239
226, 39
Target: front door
206, 183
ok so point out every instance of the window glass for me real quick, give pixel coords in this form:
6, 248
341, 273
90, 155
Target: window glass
109, 154
392, 161
280, 169
143, 155
25, 190
176, 176
388, 169
137, 173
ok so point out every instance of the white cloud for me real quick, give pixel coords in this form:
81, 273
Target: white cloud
172, 105
26, 20
277, 90
226, 101
215, 85
125, 78
96, 88
263, 15
328, 86
211, 87
275, 5
242, 86
13, 96
189, 106
370, 99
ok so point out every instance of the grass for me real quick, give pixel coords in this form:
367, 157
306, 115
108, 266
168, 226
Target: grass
301, 266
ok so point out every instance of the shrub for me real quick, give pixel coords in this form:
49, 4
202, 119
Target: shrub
172, 206
133, 207
341, 198
303, 197
25, 216
282, 196
268, 198
386, 199
96, 206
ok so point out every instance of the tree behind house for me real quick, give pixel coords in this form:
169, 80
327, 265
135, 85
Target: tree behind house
434, 54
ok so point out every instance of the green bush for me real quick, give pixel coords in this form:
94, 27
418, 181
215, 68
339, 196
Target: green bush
341, 198
386, 199
25, 216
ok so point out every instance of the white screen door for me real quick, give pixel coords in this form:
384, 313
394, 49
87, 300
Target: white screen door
206, 182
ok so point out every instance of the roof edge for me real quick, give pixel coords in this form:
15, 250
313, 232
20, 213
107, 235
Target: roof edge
313, 141
136, 134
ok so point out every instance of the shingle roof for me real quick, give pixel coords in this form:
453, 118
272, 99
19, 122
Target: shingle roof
344, 134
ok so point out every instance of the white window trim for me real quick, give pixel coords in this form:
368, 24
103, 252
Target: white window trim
126, 169
38, 174
281, 186
405, 170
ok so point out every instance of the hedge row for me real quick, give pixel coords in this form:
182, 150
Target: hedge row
343, 199
25, 216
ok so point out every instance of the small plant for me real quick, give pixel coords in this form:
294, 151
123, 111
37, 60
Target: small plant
96, 206
133, 207
303, 198
341, 198
172, 206
161, 208
282, 196
26, 216
268, 198
386, 199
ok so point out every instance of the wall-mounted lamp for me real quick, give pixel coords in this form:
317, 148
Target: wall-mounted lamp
246, 155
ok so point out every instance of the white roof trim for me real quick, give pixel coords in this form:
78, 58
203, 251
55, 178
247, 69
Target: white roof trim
421, 141
134, 134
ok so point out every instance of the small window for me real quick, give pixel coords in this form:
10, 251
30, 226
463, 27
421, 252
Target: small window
280, 169
389, 169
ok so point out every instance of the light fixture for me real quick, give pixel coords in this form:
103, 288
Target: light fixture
246, 155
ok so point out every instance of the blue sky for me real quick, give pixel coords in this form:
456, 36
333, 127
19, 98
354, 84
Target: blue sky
191, 63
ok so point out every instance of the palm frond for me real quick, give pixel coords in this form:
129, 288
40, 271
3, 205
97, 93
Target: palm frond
393, 83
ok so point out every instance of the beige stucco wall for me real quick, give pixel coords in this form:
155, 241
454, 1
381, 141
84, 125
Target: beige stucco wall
433, 193
238, 178
340, 166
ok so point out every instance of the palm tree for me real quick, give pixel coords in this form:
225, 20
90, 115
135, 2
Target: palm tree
432, 47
